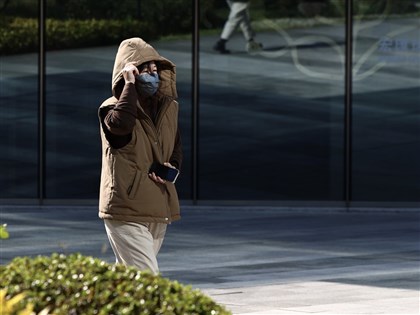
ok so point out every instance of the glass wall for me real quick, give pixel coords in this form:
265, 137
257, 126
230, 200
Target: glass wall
386, 101
271, 123
19, 101
272, 116
79, 80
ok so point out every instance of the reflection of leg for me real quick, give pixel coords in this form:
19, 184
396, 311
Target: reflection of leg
238, 10
236, 15
251, 45
220, 46
133, 244
245, 24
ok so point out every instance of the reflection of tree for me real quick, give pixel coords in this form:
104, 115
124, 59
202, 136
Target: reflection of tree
361, 23
311, 8
4, 6
292, 45
366, 8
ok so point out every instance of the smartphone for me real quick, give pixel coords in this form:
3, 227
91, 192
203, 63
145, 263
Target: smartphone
165, 172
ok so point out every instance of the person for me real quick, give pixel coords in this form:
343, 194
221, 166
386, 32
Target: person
238, 16
139, 127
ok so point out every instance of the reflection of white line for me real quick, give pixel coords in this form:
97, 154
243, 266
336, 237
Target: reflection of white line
371, 71
359, 25
402, 30
363, 58
281, 52
320, 38
306, 70
292, 46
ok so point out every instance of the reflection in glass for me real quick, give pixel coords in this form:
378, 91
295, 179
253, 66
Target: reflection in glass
272, 120
386, 98
19, 100
82, 43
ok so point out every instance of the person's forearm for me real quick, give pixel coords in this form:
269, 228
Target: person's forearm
122, 118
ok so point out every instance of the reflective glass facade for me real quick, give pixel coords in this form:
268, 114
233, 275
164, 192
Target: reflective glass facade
386, 102
327, 110
19, 123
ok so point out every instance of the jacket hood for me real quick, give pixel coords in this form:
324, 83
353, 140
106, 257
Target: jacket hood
136, 50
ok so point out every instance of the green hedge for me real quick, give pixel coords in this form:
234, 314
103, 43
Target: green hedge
20, 35
77, 284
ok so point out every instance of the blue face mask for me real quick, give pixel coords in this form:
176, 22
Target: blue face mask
147, 84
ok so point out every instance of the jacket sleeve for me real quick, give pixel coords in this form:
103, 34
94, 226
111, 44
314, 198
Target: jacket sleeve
177, 154
118, 120
121, 119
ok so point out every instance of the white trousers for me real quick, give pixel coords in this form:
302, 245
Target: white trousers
136, 244
239, 15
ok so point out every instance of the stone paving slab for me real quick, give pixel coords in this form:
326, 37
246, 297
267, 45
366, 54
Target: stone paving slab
257, 260
317, 298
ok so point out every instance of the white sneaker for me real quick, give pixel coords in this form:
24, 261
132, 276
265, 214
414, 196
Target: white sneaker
253, 47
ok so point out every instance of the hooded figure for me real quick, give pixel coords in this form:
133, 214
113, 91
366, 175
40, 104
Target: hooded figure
139, 127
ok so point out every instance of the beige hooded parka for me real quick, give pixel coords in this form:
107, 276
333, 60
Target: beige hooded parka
126, 191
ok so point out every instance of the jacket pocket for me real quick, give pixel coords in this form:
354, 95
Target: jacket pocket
135, 185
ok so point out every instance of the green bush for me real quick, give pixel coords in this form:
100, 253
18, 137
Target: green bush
20, 35
77, 284
3, 231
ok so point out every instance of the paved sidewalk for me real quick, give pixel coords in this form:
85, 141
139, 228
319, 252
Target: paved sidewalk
258, 260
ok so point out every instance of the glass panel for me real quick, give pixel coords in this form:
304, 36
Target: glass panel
83, 38
272, 117
76, 80
19, 99
386, 146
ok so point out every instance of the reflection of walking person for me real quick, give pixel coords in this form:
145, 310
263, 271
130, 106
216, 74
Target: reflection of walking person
238, 16
139, 127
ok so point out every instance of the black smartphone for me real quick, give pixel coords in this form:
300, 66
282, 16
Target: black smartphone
165, 172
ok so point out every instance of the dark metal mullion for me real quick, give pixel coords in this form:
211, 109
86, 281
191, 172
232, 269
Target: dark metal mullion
348, 104
41, 101
195, 100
